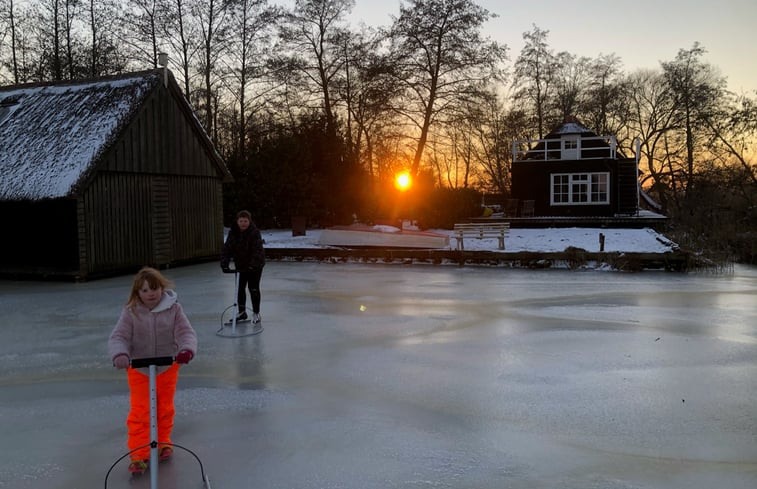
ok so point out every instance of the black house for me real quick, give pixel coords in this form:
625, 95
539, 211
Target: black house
573, 172
105, 176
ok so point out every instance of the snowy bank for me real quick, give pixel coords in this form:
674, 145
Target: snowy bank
548, 240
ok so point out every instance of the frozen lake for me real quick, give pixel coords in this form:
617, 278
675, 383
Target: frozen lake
393, 376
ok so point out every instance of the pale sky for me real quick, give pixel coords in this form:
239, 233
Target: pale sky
641, 32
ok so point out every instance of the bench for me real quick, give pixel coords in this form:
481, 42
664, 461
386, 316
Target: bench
480, 231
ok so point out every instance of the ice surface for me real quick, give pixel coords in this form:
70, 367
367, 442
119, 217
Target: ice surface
380, 376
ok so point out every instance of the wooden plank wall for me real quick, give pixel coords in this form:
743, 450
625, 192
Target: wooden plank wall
116, 210
195, 217
160, 140
135, 220
156, 200
161, 221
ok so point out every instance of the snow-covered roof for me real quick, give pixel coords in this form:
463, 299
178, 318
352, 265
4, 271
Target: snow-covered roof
571, 128
570, 125
50, 135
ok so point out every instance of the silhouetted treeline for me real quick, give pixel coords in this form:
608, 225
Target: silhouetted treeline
314, 116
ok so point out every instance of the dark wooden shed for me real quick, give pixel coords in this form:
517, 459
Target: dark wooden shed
105, 176
574, 172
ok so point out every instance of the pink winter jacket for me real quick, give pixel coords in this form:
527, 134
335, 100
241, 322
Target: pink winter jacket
142, 333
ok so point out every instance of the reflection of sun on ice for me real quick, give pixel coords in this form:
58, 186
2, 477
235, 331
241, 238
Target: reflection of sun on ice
402, 181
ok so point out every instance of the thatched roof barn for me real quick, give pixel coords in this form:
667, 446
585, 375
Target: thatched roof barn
105, 176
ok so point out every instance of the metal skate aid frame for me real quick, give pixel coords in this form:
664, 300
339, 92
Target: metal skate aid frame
152, 364
228, 329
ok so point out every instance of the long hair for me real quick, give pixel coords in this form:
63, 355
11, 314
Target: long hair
154, 280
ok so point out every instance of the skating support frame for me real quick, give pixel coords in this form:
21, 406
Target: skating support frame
235, 330
151, 364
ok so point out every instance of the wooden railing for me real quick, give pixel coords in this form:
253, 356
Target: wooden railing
551, 149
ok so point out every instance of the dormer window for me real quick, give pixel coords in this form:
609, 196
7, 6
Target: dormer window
569, 150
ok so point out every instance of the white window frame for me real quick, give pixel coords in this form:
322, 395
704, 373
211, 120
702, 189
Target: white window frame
588, 188
570, 148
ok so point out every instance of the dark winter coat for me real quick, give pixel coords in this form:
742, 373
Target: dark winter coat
245, 248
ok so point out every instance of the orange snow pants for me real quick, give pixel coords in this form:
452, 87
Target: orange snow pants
138, 421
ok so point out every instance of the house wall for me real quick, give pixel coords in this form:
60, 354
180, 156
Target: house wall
628, 187
531, 180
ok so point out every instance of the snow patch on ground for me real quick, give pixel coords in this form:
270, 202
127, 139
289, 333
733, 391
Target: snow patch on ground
548, 240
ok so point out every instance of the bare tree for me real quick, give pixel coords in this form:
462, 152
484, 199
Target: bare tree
313, 32
651, 115
211, 17
534, 73
24, 56
51, 9
8, 17
734, 132
180, 35
605, 107
71, 9
366, 89
498, 128
570, 82
142, 21
441, 58
249, 44
697, 90
105, 57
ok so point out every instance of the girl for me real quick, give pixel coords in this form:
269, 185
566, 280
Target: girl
152, 324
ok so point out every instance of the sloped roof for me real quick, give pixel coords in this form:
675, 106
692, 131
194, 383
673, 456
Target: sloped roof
51, 134
570, 125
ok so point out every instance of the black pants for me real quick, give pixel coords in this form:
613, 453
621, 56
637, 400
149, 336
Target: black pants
251, 280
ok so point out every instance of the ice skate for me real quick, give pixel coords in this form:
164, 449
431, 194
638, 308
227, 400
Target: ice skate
242, 318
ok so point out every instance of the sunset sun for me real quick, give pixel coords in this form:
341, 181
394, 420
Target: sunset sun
402, 181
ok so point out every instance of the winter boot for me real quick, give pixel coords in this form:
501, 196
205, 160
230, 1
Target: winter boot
165, 453
138, 467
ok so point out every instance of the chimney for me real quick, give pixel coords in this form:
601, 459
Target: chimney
163, 62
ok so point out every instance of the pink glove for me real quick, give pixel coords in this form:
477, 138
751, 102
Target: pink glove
184, 356
121, 361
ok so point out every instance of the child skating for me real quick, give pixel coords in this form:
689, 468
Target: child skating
152, 324
244, 245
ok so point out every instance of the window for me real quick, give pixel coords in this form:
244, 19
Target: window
560, 189
570, 144
580, 188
